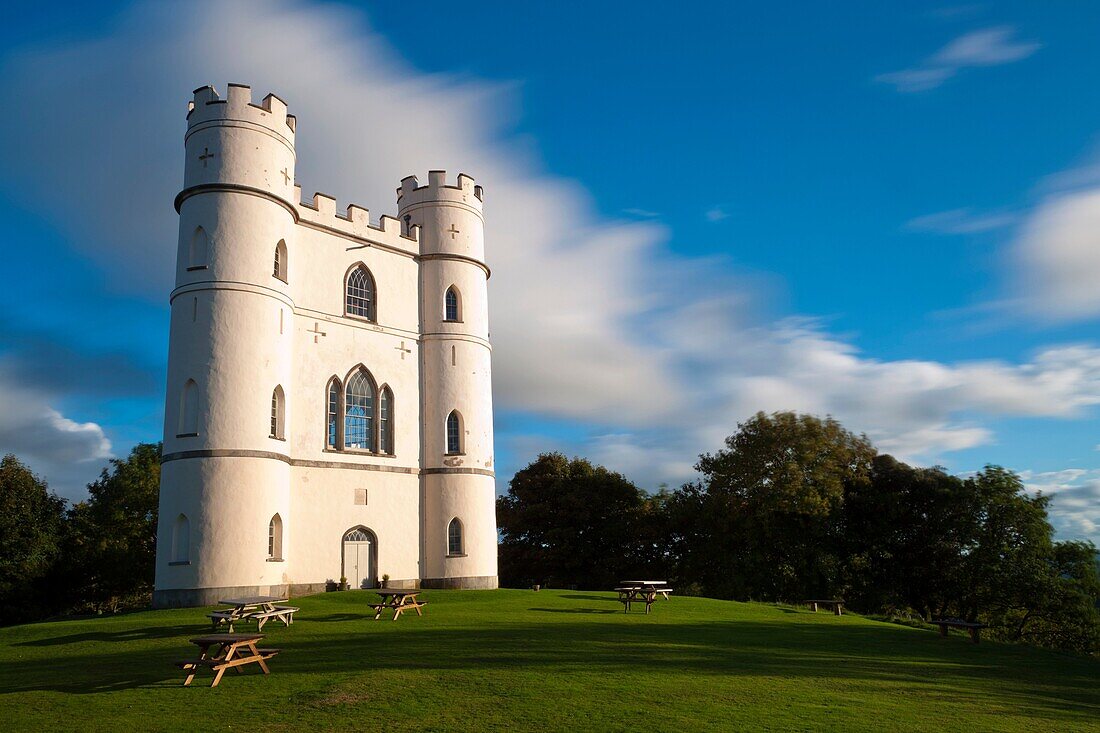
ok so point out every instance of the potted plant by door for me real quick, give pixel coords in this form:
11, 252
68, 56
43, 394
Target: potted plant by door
385, 579
343, 583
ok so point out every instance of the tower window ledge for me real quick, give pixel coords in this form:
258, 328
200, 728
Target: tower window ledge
461, 554
187, 435
196, 267
282, 280
448, 320
275, 559
460, 453
277, 437
179, 562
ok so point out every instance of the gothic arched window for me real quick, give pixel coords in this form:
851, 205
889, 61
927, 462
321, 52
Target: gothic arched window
454, 432
197, 250
278, 413
451, 309
189, 409
275, 538
361, 294
181, 539
332, 413
280, 260
454, 537
359, 411
385, 422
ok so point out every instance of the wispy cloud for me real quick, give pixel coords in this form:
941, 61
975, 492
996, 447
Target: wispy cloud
716, 213
641, 213
961, 221
986, 47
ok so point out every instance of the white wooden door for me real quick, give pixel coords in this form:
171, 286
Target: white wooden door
357, 564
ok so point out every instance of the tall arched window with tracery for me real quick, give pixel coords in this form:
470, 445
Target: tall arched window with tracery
454, 537
454, 432
361, 300
278, 413
280, 261
275, 538
385, 421
189, 409
451, 303
332, 413
359, 411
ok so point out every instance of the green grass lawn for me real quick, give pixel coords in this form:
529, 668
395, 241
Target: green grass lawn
557, 660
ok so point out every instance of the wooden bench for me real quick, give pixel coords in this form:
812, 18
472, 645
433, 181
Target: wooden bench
217, 618
283, 613
397, 609
835, 604
957, 623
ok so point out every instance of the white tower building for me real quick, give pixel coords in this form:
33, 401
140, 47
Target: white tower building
329, 405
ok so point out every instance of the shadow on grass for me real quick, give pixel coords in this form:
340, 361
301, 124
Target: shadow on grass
611, 598
150, 632
948, 669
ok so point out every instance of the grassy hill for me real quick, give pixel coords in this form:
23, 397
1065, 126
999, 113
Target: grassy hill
558, 660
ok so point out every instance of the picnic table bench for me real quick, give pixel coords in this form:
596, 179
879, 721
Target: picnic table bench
836, 604
231, 651
260, 609
398, 600
641, 591
957, 623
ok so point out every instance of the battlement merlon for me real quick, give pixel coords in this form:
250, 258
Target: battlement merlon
271, 113
464, 191
356, 224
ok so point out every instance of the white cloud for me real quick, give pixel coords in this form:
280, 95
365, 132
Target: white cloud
66, 453
961, 221
986, 47
1075, 500
593, 321
1057, 257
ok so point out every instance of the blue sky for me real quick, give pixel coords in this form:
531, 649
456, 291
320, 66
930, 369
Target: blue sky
889, 212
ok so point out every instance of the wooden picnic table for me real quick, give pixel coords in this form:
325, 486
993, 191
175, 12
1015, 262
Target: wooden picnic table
399, 600
253, 608
660, 585
639, 593
231, 651
836, 604
972, 627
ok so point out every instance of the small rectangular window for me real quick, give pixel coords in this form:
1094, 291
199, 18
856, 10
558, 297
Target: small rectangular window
360, 497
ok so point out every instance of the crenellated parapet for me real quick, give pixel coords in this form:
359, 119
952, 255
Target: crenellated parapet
355, 223
463, 191
237, 105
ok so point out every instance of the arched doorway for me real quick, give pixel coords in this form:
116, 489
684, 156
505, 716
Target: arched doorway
360, 557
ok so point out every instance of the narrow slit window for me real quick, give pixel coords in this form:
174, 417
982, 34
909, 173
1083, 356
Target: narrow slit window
275, 538
278, 408
333, 413
280, 261
451, 310
385, 421
454, 537
454, 433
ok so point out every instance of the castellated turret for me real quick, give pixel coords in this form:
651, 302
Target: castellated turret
328, 416
455, 365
